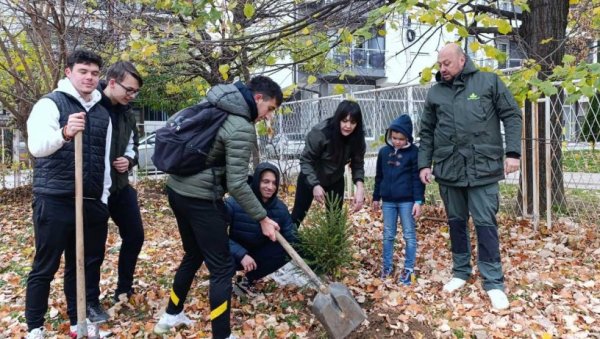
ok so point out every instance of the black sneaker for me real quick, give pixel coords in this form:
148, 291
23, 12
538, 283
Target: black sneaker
243, 288
96, 313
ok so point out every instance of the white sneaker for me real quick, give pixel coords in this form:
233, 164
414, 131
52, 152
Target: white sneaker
36, 333
231, 336
92, 329
499, 299
453, 285
168, 321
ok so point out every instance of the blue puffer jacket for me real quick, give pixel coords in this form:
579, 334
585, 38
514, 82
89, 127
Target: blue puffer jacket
245, 234
397, 173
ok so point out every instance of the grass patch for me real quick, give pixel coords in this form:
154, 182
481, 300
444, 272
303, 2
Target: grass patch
576, 203
587, 161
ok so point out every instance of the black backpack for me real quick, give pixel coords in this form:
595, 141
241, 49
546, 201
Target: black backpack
182, 146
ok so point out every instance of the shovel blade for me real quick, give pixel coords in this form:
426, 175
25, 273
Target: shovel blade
338, 311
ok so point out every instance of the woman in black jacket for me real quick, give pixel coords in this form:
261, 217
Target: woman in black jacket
330, 145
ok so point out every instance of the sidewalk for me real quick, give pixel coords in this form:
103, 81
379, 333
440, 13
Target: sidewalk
578, 180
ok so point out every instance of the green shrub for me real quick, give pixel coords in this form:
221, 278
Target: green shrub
325, 238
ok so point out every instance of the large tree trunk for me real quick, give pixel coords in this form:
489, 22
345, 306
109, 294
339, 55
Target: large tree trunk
546, 20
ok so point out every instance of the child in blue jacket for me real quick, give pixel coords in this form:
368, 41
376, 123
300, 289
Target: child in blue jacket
397, 183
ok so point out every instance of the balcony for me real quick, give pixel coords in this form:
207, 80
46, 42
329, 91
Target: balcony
364, 63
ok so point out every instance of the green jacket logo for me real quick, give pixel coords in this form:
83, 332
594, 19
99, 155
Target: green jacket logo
473, 96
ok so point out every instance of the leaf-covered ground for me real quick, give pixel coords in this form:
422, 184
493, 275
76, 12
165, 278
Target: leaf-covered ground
552, 278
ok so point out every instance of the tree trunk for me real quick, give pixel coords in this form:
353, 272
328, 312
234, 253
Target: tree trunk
546, 20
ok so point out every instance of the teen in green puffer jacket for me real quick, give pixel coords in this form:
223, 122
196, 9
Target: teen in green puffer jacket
197, 201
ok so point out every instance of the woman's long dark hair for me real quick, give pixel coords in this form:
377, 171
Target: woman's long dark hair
345, 109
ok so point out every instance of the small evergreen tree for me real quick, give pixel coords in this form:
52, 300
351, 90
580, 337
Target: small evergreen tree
325, 239
591, 127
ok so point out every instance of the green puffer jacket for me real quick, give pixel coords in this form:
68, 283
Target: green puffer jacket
460, 128
318, 163
233, 146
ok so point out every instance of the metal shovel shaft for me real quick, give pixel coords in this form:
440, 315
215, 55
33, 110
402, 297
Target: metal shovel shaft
334, 306
300, 262
79, 248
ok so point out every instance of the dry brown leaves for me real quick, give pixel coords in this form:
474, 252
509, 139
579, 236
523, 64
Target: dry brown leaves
552, 278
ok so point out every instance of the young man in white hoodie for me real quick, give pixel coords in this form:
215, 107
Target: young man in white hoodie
73, 107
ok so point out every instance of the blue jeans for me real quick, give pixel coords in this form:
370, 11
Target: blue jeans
391, 211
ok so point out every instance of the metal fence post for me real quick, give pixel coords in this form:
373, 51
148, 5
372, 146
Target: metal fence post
547, 143
524, 172
535, 166
3, 150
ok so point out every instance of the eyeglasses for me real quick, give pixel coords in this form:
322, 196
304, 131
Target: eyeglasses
130, 91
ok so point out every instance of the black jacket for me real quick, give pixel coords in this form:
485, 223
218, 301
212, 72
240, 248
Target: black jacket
125, 138
318, 162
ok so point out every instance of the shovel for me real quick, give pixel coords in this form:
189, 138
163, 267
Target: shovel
79, 249
334, 306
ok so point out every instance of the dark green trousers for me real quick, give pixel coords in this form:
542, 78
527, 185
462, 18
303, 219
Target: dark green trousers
481, 203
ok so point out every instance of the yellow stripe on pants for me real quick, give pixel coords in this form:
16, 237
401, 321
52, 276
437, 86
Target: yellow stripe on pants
174, 298
218, 311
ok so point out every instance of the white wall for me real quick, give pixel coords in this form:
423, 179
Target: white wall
404, 59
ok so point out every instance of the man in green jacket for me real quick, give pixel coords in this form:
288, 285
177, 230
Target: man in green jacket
197, 201
461, 137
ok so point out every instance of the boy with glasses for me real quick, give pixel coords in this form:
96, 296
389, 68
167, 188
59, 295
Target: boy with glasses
122, 84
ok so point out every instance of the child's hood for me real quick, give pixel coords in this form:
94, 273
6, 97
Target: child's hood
402, 124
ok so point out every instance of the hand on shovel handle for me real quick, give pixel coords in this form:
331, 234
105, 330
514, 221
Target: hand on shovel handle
75, 124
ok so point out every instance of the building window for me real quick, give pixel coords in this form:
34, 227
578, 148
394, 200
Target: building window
503, 47
506, 6
370, 53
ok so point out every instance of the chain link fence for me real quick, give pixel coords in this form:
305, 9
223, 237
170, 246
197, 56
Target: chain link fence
562, 149
560, 174
15, 163
559, 177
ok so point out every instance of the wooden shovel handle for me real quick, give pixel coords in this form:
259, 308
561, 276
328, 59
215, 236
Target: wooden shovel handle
300, 262
79, 248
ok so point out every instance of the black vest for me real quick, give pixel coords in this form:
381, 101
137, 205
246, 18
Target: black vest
55, 174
